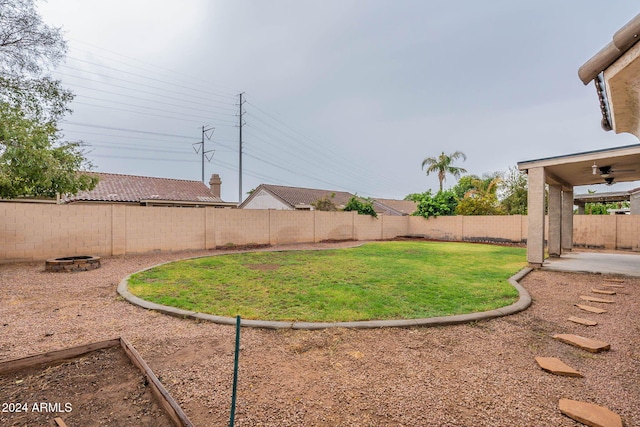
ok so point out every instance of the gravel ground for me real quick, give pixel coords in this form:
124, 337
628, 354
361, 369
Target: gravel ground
479, 374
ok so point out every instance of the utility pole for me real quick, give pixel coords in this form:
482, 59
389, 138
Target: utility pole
201, 149
240, 124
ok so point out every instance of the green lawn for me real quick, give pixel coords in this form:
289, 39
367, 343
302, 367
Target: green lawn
385, 280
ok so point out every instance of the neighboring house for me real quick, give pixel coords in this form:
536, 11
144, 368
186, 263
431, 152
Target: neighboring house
149, 191
632, 196
403, 207
279, 197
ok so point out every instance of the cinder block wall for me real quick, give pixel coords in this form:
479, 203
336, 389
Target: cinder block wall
394, 226
291, 226
31, 231
163, 229
491, 228
35, 231
241, 227
367, 227
628, 232
439, 228
594, 231
334, 225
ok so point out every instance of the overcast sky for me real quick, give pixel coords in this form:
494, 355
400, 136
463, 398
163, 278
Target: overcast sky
343, 95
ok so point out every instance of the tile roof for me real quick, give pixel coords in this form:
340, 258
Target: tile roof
405, 207
296, 196
305, 196
134, 189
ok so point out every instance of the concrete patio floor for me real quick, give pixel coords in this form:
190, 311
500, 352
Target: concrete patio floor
595, 262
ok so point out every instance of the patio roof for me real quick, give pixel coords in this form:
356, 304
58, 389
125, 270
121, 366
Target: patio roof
615, 69
577, 169
612, 196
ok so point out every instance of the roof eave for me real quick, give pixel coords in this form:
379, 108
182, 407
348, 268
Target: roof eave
586, 155
622, 41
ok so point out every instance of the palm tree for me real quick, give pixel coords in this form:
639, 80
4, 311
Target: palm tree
487, 187
442, 165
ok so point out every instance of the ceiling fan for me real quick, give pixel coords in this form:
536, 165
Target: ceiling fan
607, 172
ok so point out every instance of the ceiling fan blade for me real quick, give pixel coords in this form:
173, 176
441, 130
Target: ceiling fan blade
621, 170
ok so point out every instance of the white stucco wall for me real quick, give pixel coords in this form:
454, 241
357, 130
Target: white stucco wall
264, 200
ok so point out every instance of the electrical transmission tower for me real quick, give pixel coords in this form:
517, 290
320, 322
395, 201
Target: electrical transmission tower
200, 149
240, 124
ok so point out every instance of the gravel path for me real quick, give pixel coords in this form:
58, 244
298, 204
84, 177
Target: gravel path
480, 374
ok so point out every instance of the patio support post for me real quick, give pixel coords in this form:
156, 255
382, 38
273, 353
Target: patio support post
555, 220
535, 216
567, 221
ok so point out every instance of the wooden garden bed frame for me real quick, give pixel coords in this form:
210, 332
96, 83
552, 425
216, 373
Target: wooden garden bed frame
167, 402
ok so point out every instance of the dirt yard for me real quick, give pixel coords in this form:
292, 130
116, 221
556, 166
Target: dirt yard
100, 388
479, 374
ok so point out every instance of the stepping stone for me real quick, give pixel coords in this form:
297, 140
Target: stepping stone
582, 321
602, 291
557, 366
614, 280
591, 309
593, 346
609, 285
589, 414
595, 299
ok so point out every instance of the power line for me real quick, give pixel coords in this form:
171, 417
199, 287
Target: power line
141, 112
110, 144
158, 159
300, 147
151, 67
317, 160
143, 76
102, 144
122, 129
147, 99
139, 84
323, 167
155, 159
149, 108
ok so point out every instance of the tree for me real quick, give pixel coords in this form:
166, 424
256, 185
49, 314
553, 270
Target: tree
325, 203
26, 43
514, 192
479, 206
602, 208
33, 162
443, 165
465, 183
443, 203
30, 165
364, 206
482, 199
485, 186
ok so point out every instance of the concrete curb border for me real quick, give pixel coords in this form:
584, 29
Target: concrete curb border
522, 304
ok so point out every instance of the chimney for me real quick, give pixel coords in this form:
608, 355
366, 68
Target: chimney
214, 183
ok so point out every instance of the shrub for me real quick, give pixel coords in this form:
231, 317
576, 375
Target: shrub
364, 206
442, 204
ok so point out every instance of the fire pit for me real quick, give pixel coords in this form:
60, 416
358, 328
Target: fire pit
72, 263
